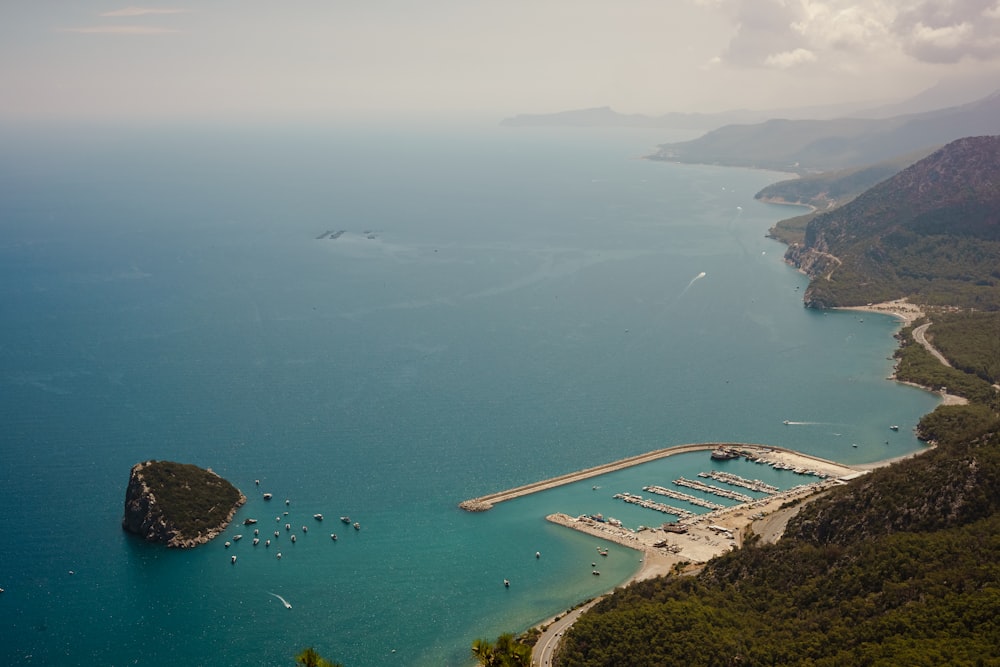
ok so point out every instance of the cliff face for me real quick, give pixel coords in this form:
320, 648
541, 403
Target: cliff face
177, 504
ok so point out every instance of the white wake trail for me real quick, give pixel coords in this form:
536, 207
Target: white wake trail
283, 600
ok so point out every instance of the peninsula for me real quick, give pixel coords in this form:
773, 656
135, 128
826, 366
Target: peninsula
178, 504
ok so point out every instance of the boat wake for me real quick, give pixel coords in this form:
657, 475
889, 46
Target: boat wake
283, 600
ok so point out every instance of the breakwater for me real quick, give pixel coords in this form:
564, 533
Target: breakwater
764, 453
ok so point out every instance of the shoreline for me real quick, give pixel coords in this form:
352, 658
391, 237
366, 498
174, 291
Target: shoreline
711, 534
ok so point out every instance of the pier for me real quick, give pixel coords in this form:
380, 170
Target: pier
762, 452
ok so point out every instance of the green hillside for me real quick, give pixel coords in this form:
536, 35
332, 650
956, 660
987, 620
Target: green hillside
931, 233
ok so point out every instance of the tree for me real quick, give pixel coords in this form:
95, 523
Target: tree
506, 652
310, 658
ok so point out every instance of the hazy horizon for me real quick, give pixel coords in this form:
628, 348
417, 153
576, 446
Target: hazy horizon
253, 60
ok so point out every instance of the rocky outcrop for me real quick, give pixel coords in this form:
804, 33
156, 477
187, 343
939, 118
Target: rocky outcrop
177, 504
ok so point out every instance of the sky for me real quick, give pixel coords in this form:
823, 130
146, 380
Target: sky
276, 59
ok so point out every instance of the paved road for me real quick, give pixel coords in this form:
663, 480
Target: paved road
919, 335
546, 645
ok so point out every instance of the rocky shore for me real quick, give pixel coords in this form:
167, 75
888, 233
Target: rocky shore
179, 505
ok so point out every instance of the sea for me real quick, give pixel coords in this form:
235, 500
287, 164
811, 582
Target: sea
378, 321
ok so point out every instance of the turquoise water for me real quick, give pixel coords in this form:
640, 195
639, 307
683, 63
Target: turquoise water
504, 306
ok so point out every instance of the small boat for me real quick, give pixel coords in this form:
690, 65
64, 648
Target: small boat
287, 501
506, 583
538, 554
267, 543
237, 538
288, 526
333, 536
249, 522
723, 454
227, 545
276, 533
256, 541
267, 496
233, 559
256, 532
786, 422
293, 538
596, 573
894, 427
278, 555
357, 526
256, 482
345, 519
318, 517
305, 529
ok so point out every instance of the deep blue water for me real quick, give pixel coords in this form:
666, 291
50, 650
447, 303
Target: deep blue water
503, 306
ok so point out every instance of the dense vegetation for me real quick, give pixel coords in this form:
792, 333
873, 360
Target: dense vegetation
830, 189
971, 341
193, 500
931, 232
915, 364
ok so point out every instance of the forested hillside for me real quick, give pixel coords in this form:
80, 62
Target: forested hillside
931, 232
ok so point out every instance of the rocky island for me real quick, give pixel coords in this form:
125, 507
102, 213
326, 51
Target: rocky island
178, 504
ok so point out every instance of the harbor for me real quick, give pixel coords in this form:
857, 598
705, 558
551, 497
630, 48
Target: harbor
778, 457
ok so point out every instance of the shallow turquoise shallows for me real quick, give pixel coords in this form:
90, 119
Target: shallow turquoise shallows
501, 306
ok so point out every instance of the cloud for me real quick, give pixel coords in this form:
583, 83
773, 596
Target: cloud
947, 32
143, 11
120, 30
787, 59
787, 33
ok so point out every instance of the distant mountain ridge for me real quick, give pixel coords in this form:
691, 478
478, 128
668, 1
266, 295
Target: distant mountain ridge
608, 117
804, 146
931, 232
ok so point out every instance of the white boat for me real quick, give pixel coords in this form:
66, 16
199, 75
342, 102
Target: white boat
267, 496
237, 538
345, 519
357, 526
233, 559
894, 427
318, 517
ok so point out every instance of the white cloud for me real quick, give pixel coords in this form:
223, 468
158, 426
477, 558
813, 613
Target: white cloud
787, 59
143, 11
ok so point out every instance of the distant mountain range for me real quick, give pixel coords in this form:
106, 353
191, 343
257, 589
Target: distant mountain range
931, 233
818, 145
608, 117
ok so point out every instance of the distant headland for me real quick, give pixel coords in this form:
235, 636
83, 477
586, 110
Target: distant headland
178, 504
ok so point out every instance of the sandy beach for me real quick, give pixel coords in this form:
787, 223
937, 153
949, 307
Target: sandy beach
900, 308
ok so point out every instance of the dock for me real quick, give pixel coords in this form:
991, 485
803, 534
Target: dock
765, 453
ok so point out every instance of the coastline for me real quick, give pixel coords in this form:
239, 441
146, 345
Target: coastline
909, 313
707, 535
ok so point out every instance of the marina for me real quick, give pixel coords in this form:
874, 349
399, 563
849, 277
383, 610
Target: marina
778, 457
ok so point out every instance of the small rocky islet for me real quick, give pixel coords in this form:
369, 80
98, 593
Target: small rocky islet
178, 504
